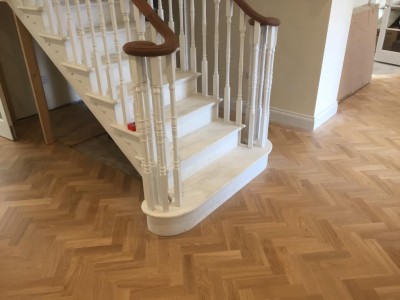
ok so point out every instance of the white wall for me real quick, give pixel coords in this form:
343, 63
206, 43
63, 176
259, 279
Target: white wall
332, 65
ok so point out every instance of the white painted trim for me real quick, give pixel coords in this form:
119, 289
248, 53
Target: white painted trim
290, 118
307, 122
325, 114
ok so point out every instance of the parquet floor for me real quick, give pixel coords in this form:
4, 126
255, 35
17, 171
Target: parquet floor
322, 222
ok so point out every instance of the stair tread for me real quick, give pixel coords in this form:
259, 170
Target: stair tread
189, 105
224, 170
199, 139
213, 178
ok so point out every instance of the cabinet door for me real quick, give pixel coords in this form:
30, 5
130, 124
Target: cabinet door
388, 47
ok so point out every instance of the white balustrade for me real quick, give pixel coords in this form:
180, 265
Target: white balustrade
111, 89
216, 51
160, 9
254, 81
239, 101
177, 178
159, 121
82, 36
123, 94
271, 33
76, 55
204, 62
49, 10
60, 19
97, 64
260, 83
193, 55
125, 12
227, 90
139, 78
182, 38
171, 22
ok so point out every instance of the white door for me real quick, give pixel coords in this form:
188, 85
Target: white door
6, 127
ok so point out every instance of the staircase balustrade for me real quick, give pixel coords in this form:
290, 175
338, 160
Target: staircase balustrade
145, 89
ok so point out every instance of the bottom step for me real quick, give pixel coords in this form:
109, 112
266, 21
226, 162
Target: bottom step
205, 191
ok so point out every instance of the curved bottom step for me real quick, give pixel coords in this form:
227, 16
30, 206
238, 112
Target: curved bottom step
207, 190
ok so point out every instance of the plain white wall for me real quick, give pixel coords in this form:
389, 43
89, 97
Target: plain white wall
332, 65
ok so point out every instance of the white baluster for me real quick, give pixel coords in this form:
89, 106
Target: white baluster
60, 19
204, 62
141, 29
254, 80
138, 68
49, 11
140, 23
271, 44
227, 90
109, 76
182, 39
216, 50
239, 102
193, 55
76, 56
122, 87
82, 36
160, 10
125, 10
260, 85
98, 66
171, 22
158, 106
171, 76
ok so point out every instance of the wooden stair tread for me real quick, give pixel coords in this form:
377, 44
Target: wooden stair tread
189, 105
200, 187
200, 139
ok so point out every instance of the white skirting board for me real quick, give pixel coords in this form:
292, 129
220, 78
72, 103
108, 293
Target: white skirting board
307, 122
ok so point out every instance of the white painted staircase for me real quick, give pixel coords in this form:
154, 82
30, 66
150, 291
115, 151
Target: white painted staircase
191, 161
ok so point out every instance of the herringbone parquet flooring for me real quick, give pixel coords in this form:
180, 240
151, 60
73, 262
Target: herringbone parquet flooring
322, 222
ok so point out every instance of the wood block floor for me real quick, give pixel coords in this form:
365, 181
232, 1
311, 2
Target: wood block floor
322, 222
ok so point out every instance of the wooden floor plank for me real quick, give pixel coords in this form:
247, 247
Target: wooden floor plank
322, 222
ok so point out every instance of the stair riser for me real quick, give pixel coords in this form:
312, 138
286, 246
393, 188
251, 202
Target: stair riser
208, 155
191, 122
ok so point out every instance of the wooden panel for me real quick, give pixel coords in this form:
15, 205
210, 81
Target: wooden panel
35, 80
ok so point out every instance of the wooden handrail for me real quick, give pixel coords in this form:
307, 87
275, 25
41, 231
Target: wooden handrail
255, 16
147, 48
171, 43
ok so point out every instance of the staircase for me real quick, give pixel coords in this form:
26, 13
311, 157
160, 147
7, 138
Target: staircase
189, 144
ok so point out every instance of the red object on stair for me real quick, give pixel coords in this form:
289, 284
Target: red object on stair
132, 126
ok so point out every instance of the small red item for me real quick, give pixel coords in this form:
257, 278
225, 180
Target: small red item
132, 126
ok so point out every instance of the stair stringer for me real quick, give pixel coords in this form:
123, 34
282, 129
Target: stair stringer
80, 79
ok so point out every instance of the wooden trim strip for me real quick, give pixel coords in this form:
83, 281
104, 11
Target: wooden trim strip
255, 16
147, 48
32, 67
